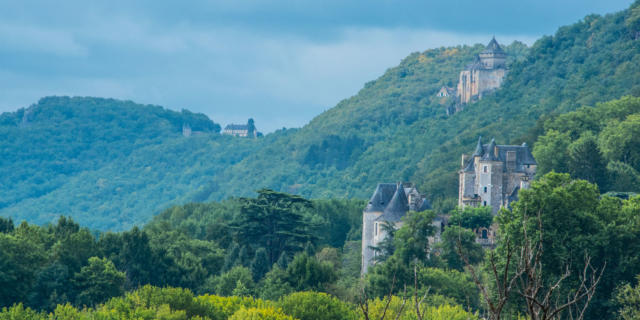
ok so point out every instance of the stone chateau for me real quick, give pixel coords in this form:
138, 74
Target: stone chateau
390, 203
492, 176
485, 74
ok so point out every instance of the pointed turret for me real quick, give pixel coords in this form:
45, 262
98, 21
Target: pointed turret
490, 154
493, 47
479, 149
381, 197
397, 208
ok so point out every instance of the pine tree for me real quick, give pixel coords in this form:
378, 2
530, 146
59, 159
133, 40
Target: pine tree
260, 264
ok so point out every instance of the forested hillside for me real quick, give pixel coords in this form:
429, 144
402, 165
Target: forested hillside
108, 163
112, 164
396, 129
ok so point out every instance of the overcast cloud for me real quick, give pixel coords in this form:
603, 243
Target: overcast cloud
280, 62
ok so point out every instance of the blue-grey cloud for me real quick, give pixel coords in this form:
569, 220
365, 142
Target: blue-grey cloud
280, 62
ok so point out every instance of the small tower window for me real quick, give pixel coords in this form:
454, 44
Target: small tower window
376, 228
484, 234
485, 169
485, 204
485, 189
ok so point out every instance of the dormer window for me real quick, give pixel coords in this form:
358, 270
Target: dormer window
485, 169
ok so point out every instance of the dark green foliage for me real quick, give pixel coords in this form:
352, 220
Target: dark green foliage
273, 221
386, 247
578, 222
334, 151
472, 218
307, 273
598, 144
412, 239
19, 262
411, 244
456, 239
628, 297
98, 281
226, 283
260, 264
6, 225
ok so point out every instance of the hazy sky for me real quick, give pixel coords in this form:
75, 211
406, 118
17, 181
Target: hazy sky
280, 62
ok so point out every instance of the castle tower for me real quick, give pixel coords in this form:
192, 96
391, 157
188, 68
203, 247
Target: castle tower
389, 203
493, 57
494, 175
483, 75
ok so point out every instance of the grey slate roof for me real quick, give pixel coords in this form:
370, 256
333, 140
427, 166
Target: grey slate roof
493, 47
381, 197
237, 127
479, 148
425, 205
489, 152
397, 208
523, 154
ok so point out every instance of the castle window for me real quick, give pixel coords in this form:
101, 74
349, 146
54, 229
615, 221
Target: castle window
376, 228
528, 166
484, 234
485, 169
485, 189
485, 203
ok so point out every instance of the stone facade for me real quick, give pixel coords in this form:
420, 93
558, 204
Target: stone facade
389, 203
240, 130
484, 75
494, 174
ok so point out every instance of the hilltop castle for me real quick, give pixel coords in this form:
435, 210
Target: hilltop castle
389, 203
483, 75
494, 174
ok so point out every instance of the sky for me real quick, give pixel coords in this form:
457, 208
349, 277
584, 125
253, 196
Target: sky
279, 62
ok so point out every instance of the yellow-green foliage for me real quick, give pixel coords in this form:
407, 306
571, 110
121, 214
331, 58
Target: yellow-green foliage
441, 312
260, 314
316, 305
150, 303
19, 312
223, 307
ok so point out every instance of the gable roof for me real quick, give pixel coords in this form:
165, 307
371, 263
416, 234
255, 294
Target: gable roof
237, 127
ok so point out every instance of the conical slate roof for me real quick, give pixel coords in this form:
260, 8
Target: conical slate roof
469, 167
493, 47
490, 152
479, 149
397, 208
381, 197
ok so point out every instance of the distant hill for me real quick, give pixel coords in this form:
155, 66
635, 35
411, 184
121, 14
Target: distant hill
112, 164
109, 163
